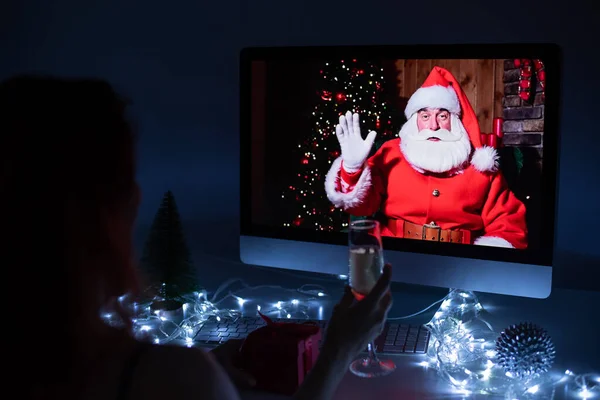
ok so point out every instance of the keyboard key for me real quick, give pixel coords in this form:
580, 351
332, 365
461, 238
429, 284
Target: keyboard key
393, 349
420, 348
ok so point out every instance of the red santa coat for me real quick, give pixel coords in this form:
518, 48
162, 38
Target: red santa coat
469, 200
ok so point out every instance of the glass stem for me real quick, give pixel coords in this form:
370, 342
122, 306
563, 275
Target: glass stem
372, 354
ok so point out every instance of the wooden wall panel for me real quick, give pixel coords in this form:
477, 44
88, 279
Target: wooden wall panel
400, 77
482, 81
499, 88
485, 94
410, 77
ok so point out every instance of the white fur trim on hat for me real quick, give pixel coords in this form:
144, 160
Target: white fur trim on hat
436, 96
485, 159
354, 197
493, 241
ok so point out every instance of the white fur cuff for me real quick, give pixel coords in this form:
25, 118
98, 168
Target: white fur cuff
433, 97
493, 241
352, 198
485, 159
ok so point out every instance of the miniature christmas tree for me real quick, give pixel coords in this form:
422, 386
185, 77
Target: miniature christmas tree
166, 259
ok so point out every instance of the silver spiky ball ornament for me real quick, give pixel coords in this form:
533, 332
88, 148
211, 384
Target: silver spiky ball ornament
525, 351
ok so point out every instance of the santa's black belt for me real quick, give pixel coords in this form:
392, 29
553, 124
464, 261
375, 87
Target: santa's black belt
430, 232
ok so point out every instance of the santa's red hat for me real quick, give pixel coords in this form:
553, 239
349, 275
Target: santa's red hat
442, 90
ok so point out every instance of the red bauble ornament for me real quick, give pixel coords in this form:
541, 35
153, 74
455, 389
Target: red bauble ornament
298, 221
334, 154
378, 124
377, 85
361, 71
542, 76
305, 161
326, 95
340, 97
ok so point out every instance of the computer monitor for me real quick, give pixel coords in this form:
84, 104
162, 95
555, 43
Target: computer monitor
461, 172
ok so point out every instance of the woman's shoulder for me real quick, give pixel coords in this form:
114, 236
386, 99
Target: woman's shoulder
172, 371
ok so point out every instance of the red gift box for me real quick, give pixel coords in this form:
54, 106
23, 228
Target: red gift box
280, 355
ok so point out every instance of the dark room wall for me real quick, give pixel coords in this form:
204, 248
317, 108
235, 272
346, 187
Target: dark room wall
178, 62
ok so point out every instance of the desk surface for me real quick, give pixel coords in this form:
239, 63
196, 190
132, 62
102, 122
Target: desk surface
568, 316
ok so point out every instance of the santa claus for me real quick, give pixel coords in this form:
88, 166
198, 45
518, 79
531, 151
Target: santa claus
436, 182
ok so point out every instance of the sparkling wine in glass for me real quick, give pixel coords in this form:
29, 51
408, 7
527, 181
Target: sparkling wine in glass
366, 266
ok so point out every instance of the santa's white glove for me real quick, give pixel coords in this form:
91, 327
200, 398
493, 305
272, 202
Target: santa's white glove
355, 150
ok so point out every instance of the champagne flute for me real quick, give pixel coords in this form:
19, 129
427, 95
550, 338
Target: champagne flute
366, 266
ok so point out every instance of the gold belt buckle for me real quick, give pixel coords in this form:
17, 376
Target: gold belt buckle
432, 225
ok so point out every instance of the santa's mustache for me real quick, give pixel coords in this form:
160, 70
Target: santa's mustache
443, 135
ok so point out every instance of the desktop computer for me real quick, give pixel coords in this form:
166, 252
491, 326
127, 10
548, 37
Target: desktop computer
452, 148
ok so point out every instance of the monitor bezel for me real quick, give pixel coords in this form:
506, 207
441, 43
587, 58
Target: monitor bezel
548, 52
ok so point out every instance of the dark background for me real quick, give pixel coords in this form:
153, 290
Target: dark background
179, 63
291, 95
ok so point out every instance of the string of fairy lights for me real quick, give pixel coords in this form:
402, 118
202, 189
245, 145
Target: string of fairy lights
355, 86
463, 347
465, 350
183, 323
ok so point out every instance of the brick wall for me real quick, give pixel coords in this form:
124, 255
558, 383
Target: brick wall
523, 121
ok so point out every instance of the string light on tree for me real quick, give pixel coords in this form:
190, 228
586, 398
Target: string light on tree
344, 85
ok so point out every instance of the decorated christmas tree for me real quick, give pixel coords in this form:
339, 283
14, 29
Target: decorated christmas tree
166, 259
344, 85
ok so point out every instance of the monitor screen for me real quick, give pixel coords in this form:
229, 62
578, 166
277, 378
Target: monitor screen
453, 151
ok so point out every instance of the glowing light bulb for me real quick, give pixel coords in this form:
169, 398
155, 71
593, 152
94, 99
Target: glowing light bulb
533, 389
320, 294
295, 302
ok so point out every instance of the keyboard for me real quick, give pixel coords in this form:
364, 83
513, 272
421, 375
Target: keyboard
396, 338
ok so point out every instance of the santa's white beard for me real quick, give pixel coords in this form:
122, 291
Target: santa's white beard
451, 152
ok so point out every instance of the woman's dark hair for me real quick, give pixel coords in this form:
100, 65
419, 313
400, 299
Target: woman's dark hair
67, 173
